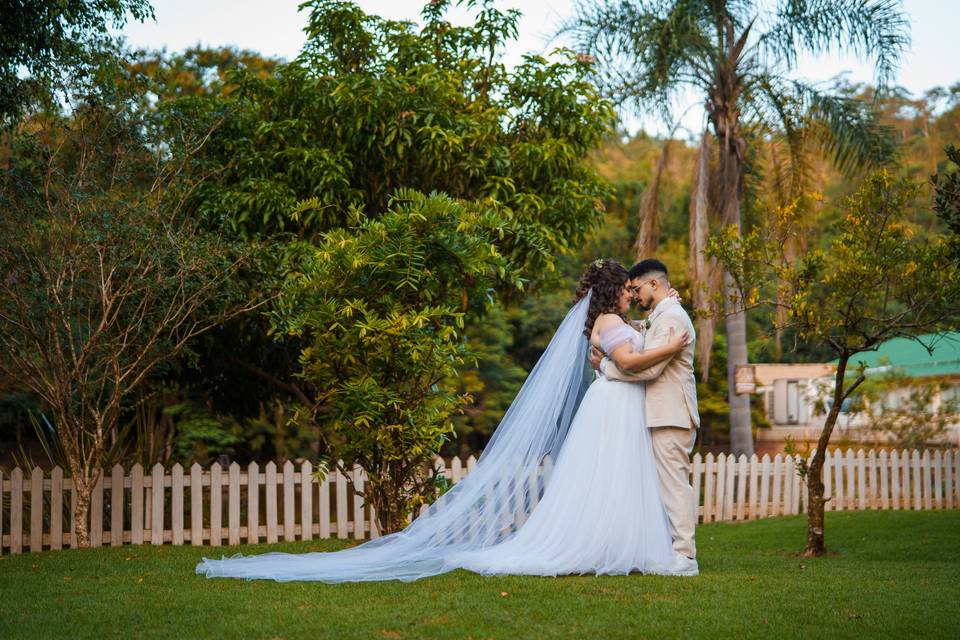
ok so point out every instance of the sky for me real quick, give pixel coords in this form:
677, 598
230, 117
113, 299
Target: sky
274, 28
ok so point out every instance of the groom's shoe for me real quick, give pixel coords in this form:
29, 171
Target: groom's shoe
684, 566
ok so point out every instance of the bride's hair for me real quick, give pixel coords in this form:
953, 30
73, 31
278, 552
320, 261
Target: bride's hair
606, 278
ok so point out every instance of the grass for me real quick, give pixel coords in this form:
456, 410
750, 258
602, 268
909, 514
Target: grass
891, 574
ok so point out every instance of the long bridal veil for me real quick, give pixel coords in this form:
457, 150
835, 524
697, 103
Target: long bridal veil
488, 506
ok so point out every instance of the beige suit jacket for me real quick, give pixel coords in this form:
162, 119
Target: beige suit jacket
671, 384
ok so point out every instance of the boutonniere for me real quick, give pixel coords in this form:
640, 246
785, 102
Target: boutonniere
647, 323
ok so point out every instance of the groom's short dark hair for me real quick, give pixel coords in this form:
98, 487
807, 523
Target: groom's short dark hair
648, 266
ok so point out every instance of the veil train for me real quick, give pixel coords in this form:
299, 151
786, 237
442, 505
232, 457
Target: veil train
486, 507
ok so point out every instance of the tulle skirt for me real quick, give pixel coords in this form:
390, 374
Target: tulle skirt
601, 512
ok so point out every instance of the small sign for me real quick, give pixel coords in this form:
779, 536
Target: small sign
746, 379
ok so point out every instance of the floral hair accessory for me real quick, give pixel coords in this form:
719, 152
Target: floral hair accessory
598, 262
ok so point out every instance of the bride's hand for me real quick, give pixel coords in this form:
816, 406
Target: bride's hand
673, 293
677, 341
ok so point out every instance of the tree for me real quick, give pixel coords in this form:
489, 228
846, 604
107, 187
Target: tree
391, 295
880, 277
374, 105
318, 152
102, 280
197, 71
47, 37
946, 185
737, 55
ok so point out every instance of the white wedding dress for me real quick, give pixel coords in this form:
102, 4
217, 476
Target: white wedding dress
598, 511
601, 512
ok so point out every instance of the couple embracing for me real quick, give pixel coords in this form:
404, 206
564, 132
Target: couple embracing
658, 352
571, 482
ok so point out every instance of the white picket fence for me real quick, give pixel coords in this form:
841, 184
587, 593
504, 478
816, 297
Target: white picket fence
290, 504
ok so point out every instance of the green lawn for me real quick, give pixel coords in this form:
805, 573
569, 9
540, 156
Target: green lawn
893, 574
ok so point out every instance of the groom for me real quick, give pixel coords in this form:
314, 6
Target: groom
671, 403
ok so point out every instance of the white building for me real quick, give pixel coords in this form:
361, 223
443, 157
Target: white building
792, 393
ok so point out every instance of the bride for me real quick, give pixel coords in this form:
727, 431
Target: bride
566, 485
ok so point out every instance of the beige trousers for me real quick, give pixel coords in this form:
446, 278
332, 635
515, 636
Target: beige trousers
671, 449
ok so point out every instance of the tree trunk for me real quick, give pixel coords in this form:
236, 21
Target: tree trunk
648, 233
816, 545
389, 518
723, 111
84, 451
83, 489
702, 271
731, 175
815, 507
741, 427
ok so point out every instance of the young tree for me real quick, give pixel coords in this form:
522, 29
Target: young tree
737, 55
102, 281
880, 277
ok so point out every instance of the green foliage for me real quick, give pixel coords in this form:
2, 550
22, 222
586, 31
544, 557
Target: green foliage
327, 158
714, 431
47, 38
90, 251
880, 276
383, 306
739, 55
197, 71
491, 380
373, 105
51, 444
84, 231
946, 185
203, 439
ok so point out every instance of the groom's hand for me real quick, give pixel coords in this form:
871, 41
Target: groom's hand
595, 357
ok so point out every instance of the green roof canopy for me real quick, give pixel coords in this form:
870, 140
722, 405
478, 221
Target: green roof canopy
913, 359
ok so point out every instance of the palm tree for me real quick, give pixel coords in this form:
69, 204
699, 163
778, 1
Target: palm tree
737, 54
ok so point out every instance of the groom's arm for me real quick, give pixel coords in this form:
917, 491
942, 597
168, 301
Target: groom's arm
656, 338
